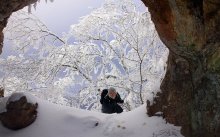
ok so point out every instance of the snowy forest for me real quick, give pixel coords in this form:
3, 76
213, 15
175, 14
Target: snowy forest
116, 45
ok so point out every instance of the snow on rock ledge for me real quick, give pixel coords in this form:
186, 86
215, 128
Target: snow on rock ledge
17, 96
21, 111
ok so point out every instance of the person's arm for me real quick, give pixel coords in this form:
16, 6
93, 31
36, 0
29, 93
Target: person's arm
103, 94
119, 100
101, 101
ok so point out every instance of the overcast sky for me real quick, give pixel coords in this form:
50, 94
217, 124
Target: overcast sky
59, 15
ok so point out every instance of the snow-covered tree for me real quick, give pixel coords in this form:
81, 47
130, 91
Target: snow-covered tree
115, 45
128, 52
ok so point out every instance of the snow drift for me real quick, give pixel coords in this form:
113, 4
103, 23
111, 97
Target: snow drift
60, 121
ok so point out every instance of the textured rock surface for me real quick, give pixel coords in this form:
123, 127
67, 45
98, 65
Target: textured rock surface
190, 94
19, 114
6, 8
1, 92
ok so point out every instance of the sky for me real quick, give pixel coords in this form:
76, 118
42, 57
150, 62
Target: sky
59, 15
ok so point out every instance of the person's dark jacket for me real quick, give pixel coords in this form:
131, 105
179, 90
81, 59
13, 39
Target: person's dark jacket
110, 105
103, 94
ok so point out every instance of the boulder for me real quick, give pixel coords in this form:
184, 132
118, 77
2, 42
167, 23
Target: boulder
20, 113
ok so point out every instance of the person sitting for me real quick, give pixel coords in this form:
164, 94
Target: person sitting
110, 102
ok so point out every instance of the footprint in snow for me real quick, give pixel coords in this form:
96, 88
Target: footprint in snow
90, 122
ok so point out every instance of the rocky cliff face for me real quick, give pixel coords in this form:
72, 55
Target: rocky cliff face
1, 92
6, 9
190, 94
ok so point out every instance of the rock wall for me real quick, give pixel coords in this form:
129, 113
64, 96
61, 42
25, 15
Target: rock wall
1, 92
6, 9
190, 94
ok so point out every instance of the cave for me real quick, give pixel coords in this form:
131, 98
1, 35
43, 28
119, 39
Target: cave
190, 95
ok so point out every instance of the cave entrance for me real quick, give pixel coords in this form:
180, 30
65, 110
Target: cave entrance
65, 58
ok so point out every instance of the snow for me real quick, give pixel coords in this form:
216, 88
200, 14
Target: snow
61, 121
16, 96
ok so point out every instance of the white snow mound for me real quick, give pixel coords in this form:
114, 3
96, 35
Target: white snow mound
59, 121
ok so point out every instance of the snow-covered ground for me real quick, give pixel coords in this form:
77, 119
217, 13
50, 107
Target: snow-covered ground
59, 121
